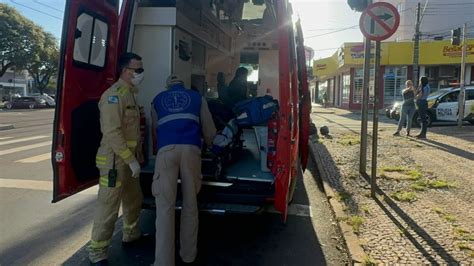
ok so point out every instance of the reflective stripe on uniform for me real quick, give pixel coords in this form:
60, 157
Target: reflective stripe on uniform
99, 244
122, 91
125, 154
131, 143
172, 117
104, 181
100, 160
128, 227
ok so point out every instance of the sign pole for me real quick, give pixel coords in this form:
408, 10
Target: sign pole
462, 93
373, 179
378, 22
365, 107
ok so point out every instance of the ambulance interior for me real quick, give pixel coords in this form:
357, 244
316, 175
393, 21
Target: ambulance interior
206, 38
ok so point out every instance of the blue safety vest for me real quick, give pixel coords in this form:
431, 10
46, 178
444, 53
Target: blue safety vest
178, 111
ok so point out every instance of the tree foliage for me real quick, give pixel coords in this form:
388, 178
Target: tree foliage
45, 63
26, 46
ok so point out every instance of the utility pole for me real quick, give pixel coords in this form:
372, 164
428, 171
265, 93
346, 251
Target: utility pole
416, 47
375, 130
365, 106
462, 93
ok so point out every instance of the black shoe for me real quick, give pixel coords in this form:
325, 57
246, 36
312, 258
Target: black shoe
100, 263
396, 133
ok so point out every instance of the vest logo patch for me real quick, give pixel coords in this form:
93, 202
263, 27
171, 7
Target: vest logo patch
113, 100
175, 101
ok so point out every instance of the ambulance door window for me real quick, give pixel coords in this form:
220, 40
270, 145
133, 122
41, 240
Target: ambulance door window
90, 45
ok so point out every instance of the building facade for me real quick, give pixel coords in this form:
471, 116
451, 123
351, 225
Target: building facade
340, 77
14, 84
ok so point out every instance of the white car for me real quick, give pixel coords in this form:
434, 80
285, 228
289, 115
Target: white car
442, 106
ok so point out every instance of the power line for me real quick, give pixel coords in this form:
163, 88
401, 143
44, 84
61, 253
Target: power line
34, 9
343, 29
48, 6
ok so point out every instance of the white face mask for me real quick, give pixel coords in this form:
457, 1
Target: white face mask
137, 78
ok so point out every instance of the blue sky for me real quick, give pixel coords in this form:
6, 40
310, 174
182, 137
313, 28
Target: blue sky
325, 22
46, 13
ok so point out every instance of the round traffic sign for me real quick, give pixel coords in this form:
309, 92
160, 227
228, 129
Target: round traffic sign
379, 21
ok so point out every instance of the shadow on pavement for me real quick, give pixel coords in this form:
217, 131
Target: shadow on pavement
51, 234
448, 148
257, 239
389, 203
332, 173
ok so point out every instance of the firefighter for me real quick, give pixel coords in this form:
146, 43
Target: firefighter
118, 160
181, 117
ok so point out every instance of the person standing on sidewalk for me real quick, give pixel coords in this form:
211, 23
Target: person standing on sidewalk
118, 160
422, 105
181, 118
408, 108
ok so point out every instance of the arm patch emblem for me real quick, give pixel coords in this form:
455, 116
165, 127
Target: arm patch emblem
113, 100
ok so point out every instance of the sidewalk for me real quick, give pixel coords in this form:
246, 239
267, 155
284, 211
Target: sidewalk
422, 213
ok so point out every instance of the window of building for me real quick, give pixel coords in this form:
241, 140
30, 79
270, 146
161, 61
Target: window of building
394, 83
90, 45
346, 87
358, 84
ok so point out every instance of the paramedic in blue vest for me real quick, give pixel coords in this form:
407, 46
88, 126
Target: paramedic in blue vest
182, 119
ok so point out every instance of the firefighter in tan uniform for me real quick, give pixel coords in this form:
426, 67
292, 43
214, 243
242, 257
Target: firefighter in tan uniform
118, 160
181, 119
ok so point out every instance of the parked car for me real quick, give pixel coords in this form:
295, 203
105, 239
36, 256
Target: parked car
26, 102
442, 106
50, 102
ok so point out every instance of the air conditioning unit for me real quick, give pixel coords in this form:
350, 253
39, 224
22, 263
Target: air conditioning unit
447, 71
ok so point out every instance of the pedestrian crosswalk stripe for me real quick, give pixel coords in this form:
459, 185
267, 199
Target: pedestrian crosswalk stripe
25, 148
38, 185
2, 138
35, 159
21, 140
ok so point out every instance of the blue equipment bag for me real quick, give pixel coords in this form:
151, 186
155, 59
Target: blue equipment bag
255, 111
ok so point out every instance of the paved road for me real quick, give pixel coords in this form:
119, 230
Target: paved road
34, 231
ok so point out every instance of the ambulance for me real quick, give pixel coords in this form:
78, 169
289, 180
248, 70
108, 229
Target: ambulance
196, 39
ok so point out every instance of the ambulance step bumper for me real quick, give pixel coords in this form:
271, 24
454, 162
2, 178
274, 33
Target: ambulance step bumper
212, 207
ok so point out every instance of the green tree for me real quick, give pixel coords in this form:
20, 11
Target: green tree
27, 46
44, 64
18, 39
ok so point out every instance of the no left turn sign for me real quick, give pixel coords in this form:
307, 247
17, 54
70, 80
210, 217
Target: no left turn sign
379, 21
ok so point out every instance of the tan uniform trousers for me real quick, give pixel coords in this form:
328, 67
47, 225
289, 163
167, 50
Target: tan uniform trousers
173, 161
126, 191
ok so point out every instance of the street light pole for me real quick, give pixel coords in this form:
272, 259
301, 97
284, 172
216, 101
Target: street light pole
416, 46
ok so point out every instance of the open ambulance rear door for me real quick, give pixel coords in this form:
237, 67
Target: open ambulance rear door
305, 98
89, 49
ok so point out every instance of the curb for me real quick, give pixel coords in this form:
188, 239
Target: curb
323, 112
6, 126
356, 252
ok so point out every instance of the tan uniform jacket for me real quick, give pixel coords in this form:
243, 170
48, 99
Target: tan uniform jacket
120, 127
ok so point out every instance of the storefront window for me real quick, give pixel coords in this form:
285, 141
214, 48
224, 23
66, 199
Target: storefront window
358, 84
394, 82
442, 76
346, 87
